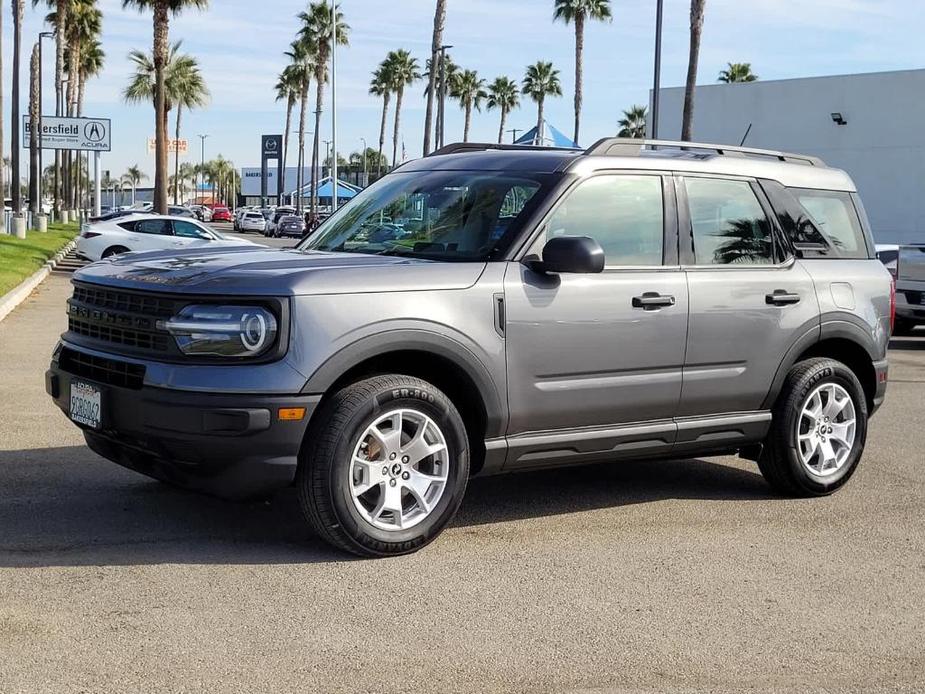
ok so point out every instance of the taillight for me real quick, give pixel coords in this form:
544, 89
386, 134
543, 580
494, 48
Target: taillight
892, 303
89, 234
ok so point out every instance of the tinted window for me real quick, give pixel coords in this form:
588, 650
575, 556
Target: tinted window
727, 222
834, 214
153, 226
189, 230
441, 215
622, 213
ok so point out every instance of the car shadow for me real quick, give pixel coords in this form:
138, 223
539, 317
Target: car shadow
69, 507
908, 343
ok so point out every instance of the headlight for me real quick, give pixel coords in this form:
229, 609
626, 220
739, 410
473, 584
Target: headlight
222, 331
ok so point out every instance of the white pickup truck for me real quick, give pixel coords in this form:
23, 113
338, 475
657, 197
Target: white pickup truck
907, 265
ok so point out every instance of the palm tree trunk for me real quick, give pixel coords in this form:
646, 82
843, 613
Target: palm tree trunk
399, 93
538, 136
385, 115
300, 175
74, 165
34, 203
176, 158
161, 31
60, 24
290, 103
468, 121
687, 123
316, 144
15, 128
579, 57
501, 127
436, 42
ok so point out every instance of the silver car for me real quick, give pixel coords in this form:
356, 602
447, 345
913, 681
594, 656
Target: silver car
491, 309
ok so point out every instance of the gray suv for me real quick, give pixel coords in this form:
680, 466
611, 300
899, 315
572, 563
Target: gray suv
495, 308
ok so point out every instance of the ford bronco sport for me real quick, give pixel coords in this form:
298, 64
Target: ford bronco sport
493, 308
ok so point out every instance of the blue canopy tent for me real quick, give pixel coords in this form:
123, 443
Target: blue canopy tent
551, 137
325, 189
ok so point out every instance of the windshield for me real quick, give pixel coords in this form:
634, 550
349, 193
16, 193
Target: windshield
439, 215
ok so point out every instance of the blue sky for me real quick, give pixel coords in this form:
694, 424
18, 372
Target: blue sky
240, 45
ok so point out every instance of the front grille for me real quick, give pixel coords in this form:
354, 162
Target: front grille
110, 318
111, 372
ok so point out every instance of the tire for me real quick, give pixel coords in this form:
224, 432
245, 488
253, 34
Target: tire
903, 328
782, 461
114, 250
329, 475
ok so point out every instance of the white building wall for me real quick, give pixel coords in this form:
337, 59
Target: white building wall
882, 146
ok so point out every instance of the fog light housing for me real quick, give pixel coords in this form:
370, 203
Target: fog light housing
222, 330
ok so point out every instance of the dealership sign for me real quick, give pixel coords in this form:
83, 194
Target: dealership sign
178, 146
87, 134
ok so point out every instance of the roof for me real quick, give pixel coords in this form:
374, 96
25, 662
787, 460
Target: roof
324, 189
793, 170
551, 136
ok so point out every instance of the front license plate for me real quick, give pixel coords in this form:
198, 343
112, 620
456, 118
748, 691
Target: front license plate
86, 404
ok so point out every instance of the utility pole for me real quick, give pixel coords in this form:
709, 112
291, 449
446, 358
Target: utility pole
334, 103
658, 69
202, 164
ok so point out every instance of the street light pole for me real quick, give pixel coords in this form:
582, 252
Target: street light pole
658, 69
202, 165
42, 35
365, 163
334, 104
514, 132
441, 111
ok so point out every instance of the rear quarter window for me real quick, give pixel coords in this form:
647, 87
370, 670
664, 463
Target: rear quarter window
836, 218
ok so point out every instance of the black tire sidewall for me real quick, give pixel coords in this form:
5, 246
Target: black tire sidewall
436, 406
826, 372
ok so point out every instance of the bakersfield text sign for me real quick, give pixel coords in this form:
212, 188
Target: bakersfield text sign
86, 134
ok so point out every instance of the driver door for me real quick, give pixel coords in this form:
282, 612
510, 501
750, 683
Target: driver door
595, 360
189, 235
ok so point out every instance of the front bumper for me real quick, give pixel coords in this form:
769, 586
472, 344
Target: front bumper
230, 445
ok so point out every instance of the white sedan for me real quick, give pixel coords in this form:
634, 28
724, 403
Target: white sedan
148, 232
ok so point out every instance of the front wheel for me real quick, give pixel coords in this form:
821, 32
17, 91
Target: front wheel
385, 466
818, 431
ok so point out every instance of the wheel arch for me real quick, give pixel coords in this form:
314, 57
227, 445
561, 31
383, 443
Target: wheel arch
840, 340
437, 359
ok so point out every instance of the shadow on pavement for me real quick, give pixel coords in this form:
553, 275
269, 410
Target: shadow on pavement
68, 507
908, 343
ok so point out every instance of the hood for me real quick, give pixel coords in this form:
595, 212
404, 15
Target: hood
262, 271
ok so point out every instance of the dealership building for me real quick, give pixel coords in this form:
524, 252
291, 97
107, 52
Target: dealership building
871, 125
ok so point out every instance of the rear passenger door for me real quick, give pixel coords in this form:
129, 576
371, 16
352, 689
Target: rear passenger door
750, 301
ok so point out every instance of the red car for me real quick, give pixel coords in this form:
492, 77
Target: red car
221, 214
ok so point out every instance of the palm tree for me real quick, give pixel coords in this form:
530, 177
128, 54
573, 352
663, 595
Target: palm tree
381, 85
449, 69
737, 72
92, 59
187, 88
577, 12
15, 149
633, 123
504, 95
469, 90
288, 89
318, 28
134, 175
301, 69
541, 80
162, 9
402, 72
687, 121
435, 43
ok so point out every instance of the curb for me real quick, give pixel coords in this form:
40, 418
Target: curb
21, 292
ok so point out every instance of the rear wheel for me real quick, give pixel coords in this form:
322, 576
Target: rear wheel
114, 250
818, 431
385, 466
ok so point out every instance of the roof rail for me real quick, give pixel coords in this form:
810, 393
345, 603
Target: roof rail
459, 147
633, 147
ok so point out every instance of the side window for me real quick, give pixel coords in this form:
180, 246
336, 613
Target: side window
152, 226
728, 223
835, 215
188, 230
623, 213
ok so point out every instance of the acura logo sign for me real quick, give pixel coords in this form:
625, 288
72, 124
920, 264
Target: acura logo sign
94, 131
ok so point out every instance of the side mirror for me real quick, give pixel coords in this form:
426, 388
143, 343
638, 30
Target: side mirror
575, 254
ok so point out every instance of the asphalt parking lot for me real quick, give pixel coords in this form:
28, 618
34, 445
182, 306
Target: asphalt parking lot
686, 575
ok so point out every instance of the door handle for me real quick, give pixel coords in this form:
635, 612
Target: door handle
652, 301
781, 297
